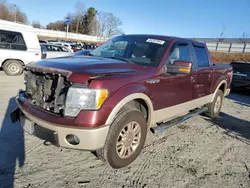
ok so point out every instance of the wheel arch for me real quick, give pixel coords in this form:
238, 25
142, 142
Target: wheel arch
22, 62
222, 86
140, 98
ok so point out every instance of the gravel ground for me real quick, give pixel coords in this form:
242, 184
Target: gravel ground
197, 153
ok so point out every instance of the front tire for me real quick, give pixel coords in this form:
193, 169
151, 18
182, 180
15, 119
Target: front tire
13, 67
125, 139
214, 108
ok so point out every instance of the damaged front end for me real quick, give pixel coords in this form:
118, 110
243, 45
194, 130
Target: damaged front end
63, 92
46, 90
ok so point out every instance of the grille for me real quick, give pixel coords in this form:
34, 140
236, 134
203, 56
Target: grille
47, 91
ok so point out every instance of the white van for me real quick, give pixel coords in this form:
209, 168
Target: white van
19, 45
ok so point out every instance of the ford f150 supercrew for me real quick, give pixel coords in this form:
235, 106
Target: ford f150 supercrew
107, 101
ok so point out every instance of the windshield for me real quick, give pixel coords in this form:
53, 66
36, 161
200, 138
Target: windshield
142, 50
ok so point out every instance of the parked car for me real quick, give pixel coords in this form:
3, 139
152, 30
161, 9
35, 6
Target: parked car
19, 46
107, 101
241, 74
44, 52
43, 41
81, 44
76, 47
81, 52
52, 41
69, 42
89, 46
64, 44
57, 51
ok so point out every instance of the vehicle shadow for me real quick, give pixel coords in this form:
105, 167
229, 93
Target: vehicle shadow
233, 126
240, 97
11, 147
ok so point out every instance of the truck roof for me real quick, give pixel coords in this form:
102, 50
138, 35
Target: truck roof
13, 26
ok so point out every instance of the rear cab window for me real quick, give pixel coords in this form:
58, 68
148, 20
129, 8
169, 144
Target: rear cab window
12, 40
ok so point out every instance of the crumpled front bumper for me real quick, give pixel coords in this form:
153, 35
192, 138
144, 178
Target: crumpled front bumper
58, 134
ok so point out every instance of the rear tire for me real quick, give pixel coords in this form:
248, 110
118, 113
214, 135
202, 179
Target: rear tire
13, 67
214, 107
125, 139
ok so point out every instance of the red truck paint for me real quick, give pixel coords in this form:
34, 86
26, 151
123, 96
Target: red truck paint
151, 82
127, 79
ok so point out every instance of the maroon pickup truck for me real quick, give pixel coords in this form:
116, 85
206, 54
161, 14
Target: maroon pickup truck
107, 101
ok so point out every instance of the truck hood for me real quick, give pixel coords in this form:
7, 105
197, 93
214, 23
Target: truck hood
84, 66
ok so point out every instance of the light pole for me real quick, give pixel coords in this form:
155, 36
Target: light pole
15, 13
67, 21
67, 31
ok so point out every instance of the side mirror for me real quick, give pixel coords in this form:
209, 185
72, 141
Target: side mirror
178, 67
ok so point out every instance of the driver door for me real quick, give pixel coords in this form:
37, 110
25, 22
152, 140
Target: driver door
175, 89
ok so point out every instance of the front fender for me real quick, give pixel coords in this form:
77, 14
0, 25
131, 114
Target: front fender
127, 94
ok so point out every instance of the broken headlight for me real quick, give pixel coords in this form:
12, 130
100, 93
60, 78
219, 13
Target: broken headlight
83, 99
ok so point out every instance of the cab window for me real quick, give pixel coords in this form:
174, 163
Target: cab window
180, 52
201, 56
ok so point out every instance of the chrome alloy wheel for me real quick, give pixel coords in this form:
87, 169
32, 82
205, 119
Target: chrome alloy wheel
128, 139
217, 104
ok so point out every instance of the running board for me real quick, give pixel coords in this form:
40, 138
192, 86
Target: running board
162, 127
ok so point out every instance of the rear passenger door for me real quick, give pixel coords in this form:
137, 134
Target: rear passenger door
204, 69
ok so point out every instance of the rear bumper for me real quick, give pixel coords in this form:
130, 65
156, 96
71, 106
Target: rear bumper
90, 138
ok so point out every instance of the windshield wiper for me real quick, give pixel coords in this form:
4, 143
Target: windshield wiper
120, 58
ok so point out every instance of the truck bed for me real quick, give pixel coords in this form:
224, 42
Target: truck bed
241, 74
222, 66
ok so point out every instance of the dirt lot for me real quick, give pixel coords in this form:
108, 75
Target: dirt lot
197, 153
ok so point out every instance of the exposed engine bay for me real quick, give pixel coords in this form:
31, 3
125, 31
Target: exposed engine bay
47, 88
47, 91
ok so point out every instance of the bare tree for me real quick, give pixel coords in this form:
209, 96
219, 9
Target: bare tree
20, 16
11, 12
4, 13
243, 37
80, 11
90, 22
36, 24
108, 24
222, 37
58, 26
